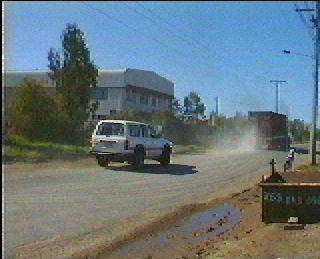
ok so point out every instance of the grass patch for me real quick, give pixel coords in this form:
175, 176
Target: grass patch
18, 148
309, 168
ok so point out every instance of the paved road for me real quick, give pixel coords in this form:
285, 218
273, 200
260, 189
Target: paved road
306, 147
67, 201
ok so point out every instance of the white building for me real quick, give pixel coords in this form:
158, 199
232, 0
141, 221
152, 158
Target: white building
132, 89
117, 90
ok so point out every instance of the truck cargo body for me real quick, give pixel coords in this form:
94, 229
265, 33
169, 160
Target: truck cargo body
271, 130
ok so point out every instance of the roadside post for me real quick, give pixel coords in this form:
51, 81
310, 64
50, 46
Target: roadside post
272, 163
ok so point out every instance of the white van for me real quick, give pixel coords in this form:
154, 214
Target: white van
128, 141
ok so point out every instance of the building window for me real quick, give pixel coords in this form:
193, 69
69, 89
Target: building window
113, 112
161, 101
154, 101
104, 94
102, 117
131, 95
101, 94
144, 99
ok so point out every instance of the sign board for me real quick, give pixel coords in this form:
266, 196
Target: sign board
280, 201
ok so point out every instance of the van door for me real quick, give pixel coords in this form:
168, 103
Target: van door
155, 143
135, 137
109, 137
145, 135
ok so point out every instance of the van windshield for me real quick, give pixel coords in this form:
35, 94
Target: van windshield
107, 128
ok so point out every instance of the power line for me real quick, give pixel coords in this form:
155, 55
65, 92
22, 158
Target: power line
136, 30
156, 23
171, 25
129, 27
306, 4
303, 19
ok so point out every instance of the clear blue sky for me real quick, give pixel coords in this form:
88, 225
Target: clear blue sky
226, 49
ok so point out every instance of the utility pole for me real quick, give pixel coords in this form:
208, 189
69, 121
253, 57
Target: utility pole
315, 20
316, 77
217, 105
278, 82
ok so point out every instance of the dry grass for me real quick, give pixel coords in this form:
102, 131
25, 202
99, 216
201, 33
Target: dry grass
309, 168
18, 148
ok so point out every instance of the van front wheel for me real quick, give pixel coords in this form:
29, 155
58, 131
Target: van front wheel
165, 156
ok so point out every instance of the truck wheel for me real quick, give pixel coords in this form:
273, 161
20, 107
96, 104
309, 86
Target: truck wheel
139, 158
102, 161
165, 156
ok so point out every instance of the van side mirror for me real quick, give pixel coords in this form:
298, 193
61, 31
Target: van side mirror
155, 135
158, 131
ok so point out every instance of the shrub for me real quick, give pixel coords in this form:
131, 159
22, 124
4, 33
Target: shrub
33, 112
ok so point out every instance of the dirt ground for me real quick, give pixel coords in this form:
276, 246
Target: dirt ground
250, 238
254, 239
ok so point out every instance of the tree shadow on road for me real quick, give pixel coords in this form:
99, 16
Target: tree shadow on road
172, 169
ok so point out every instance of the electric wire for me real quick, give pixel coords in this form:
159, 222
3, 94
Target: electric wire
176, 51
303, 19
126, 25
199, 43
159, 26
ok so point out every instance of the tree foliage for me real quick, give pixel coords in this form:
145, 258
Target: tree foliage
33, 112
176, 108
74, 73
299, 130
193, 107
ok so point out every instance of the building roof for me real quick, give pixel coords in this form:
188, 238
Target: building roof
264, 113
15, 78
106, 78
136, 78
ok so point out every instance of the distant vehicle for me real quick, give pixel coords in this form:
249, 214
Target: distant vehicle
271, 130
129, 141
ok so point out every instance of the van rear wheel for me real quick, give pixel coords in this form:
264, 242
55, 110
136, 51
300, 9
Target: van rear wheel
139, 158
166, 156
103, 161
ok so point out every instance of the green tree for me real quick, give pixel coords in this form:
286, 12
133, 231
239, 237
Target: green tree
176, 108
298, 130
193, 105
33, 112
74, 72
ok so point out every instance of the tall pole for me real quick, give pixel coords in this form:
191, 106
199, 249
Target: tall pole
277, 98
315, 19
217, 105
278, 82
316, 77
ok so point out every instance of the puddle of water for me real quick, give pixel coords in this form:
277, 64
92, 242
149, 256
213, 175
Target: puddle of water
174, 242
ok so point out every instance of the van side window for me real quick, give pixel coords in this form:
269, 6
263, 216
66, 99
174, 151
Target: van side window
144, 131
134, 130
151, 130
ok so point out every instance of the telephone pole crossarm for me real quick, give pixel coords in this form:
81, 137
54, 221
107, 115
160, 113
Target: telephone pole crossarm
305, 10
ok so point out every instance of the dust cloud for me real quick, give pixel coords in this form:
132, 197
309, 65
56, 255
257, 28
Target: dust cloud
243, 141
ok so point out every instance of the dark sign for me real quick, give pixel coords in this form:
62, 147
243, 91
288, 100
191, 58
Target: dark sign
280, 201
